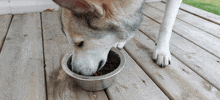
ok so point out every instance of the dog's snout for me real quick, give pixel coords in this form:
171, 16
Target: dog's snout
100, 64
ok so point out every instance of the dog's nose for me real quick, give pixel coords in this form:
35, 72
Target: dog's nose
100, 64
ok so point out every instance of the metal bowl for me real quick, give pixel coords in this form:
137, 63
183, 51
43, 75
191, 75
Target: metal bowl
94, 83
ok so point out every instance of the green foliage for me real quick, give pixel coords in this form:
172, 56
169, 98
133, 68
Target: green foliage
212, 6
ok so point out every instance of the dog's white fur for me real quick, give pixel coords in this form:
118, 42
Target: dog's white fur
162, 53
86, 60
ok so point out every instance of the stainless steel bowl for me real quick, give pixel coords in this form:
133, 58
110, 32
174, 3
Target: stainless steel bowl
94, 83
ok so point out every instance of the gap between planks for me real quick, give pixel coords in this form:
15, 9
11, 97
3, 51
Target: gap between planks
21, 60
105, 90
209, 48
127, 51
45, 74
200, 13
59, 84
170, 52
171, 79
132, 83
150, 76
211, 77
180, 61
196, 21
61, 41
185, 38
3, 41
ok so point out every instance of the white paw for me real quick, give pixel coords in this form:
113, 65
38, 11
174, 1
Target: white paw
162, 56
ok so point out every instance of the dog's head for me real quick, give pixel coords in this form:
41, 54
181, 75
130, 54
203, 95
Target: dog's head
95, 26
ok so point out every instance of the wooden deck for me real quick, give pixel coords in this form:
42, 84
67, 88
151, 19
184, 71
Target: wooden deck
32, 46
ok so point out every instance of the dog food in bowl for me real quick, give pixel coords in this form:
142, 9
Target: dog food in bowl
112, 63
105, 76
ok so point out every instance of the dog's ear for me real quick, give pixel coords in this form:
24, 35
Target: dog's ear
80, 6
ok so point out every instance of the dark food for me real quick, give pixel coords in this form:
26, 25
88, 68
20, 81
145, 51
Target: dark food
112, 63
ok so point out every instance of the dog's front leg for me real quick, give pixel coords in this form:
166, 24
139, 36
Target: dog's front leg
162, 54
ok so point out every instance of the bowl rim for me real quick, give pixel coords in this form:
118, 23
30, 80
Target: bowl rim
94, 78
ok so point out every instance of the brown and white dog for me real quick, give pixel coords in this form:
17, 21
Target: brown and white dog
93, 27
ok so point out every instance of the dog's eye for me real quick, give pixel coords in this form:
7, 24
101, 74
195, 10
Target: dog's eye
80, 44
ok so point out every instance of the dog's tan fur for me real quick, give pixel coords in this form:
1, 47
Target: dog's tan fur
93, 27
100, 25
110, 12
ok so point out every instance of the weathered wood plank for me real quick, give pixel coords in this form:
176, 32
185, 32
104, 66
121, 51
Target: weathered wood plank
5, 7
5, 22
195, 35
133, 84
177, 81
27, 6
201, 13
21, 60
59, 84
187, 52
193, 20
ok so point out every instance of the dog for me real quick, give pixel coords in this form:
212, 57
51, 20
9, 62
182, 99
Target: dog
93, 27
